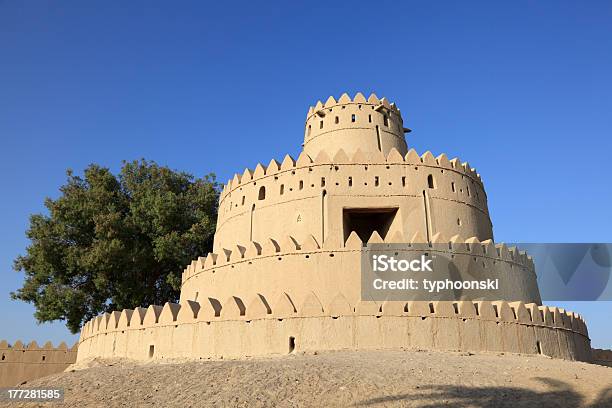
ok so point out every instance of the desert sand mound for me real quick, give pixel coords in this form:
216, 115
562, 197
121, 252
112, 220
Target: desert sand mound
348, 378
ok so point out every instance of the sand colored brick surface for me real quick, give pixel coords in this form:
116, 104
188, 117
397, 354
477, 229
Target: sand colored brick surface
19, 363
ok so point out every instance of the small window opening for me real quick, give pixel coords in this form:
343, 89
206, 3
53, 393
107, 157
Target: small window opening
496, 311
376, 181
453, 186
309, 129
458, 221
404, 181
337, 120
456, 308
322, 181
431, 308
195, 298
282, 189
386, 120
321, 124
151, 350
430, 181
353, 118
301, 184
243, 198
350, 182
539, 347
370, 118
467, 188
476, 308
3, 357
44, 358
262, 193
291, 344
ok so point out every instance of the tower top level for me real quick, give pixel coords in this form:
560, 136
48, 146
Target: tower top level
370, 125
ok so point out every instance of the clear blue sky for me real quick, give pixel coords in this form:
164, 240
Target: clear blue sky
522, 89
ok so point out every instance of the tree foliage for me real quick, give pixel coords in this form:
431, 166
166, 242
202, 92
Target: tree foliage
112, 242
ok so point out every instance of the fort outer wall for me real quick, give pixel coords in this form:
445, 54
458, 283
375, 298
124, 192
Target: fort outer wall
602, 357
19, 363
431, 195
260, 327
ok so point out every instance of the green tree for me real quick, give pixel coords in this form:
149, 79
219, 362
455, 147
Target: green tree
116, 241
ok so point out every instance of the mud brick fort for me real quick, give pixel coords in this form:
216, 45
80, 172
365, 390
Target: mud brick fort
284, 273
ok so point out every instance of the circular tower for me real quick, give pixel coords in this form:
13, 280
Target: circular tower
285, 273
355, 182
370, 125
354, 174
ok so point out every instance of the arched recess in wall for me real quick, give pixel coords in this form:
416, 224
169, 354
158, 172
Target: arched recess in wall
262, 193
427, 214
323, 207
430, 181
251, 222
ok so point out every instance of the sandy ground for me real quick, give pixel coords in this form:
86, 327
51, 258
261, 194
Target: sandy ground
339, 379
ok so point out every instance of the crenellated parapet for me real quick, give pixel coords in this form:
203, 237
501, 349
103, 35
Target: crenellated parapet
239, 327
262, 173
372, 125
304, 264
275, 247
20, 362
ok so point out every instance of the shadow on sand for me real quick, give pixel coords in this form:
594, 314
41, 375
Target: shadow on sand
560, 394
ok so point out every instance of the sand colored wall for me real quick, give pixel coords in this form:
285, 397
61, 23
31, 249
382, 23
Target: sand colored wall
370, 125
603, 357
19, 363
278, 265
259, 326
307, 197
